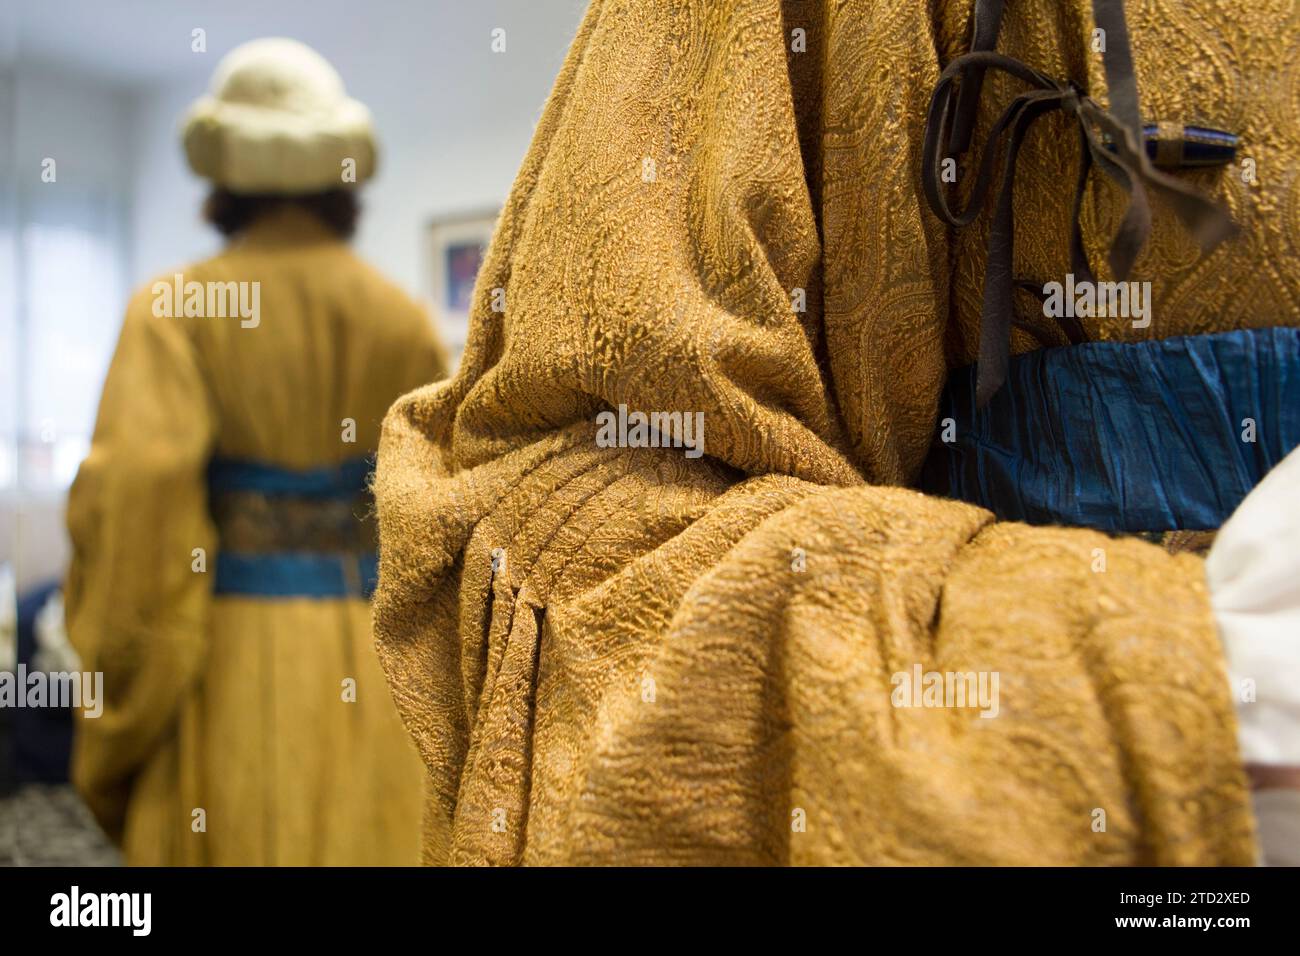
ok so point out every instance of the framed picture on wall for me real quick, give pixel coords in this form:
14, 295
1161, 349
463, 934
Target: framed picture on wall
456, 246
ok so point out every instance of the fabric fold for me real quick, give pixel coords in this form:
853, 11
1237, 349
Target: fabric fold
622, 655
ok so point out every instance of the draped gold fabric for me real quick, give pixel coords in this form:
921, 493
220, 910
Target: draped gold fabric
230, 705
622, 655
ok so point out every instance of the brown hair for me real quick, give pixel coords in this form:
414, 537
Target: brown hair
232, 213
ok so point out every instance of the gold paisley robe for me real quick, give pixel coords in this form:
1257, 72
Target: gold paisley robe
625, 656
235, 705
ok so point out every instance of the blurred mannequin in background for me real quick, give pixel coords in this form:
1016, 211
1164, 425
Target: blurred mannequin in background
224, 550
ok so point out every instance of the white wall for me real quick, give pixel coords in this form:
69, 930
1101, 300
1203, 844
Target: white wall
166, 228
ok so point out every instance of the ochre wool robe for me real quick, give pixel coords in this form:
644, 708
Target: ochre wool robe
236, 705
621, 655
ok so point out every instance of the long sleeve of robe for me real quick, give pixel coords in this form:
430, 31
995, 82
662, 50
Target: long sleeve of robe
137, 606
226, 736
625, 655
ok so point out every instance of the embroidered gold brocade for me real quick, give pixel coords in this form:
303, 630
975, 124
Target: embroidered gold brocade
648, 679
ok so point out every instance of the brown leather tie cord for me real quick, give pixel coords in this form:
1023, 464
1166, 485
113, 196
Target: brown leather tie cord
1128, 165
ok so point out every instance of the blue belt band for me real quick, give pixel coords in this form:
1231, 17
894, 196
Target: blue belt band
1124, 437
290, 574
288, 533
338, 481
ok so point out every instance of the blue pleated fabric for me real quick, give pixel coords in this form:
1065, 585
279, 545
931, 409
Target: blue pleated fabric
290, 574
1124, 437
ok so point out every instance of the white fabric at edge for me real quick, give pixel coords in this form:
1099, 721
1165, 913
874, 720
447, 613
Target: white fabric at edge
1253, 570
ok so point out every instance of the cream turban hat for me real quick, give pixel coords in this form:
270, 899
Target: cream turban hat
278, 121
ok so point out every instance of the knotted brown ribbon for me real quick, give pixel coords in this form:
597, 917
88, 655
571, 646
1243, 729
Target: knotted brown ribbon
1128, 165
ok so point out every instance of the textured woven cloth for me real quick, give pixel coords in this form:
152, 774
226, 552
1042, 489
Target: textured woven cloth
623, 655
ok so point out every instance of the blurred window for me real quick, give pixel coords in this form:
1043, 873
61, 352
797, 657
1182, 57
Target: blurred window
69, 298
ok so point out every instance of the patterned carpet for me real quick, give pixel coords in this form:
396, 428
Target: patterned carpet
48, 825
